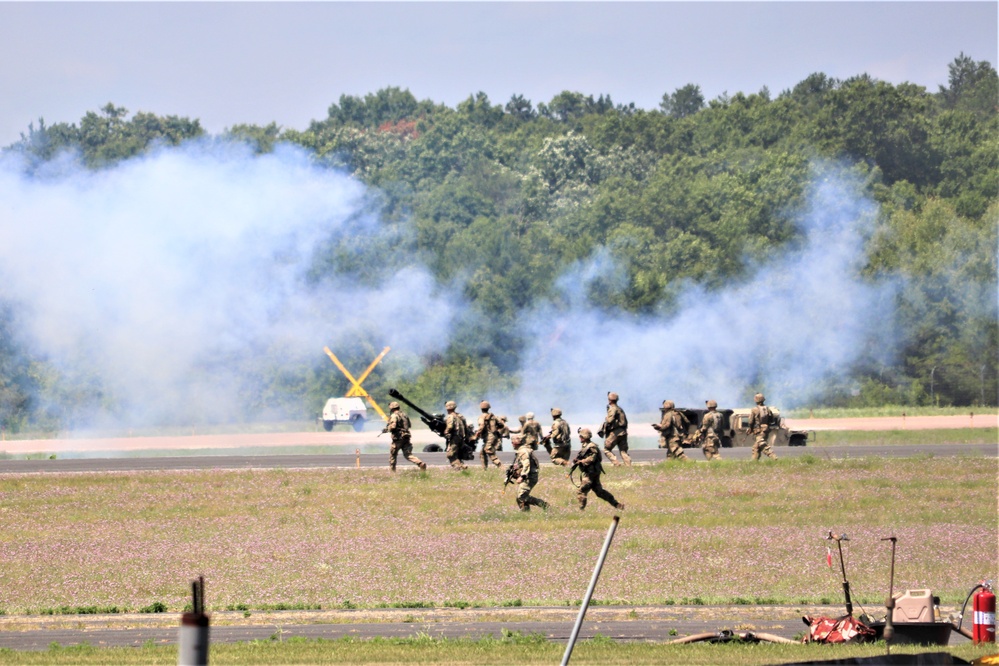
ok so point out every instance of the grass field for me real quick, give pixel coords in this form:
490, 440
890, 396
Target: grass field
524, 650
700, 533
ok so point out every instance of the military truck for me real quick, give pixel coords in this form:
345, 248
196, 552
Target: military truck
736, 432
349, 411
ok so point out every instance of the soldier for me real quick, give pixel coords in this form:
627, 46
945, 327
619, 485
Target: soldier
489, 432
455, 435
710, 432
504, 432
761, 418
398, 427
530, 431
590, 469
558, 441
672, 429
524, 472
615, 431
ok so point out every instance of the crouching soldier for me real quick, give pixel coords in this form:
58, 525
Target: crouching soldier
398, 427
524, 472
590, 469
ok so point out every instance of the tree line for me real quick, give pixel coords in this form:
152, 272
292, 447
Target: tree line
502, 197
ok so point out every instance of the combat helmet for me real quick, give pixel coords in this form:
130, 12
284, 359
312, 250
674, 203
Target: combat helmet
556, 412
759, 398
613, 397
711, 404
530, 416
668, 404
393, 406
484, 405
584, 433
450, 404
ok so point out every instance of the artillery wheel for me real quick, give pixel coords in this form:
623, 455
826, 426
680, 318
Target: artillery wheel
357, 421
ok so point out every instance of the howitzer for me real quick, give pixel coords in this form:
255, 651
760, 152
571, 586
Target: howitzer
434, 421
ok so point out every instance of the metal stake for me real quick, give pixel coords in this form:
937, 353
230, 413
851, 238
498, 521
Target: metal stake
889, 631
589, 591
839, 538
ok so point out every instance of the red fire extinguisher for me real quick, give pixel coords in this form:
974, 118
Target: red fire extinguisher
984, 628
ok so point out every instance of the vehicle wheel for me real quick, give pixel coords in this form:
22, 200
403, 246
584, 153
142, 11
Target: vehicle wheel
432, 448
328, 425
797, 440
358, 422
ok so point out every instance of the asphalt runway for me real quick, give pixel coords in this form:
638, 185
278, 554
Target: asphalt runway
437, 460
625, 624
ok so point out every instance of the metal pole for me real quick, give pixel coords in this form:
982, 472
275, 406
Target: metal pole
589, 591
193, 640
889, 631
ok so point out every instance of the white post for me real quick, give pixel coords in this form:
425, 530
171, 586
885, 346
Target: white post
193, 640
589, 591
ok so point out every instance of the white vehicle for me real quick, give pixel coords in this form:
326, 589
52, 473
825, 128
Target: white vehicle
344, 410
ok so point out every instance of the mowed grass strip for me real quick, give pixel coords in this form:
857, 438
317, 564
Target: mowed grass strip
693, 533
512, 650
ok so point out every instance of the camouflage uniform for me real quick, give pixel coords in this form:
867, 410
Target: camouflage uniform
672, 429
761, 418
531, 432
559, 440
615, 431
489, 432
398, 426
710, 433
525, 471
588, 460
455, 436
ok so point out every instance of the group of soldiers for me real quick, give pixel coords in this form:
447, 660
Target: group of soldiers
673, 429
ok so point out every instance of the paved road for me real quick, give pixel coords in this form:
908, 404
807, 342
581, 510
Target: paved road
621, 624
290, 461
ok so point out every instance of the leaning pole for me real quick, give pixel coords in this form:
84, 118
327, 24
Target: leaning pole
589, 591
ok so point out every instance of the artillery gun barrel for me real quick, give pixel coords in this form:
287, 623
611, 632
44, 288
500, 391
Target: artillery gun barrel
434, 421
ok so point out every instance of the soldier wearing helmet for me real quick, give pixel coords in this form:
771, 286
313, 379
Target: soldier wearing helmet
530, 431
455, 435
615, 431
761, 419
672, 427
710, 431
398, 427
524, 472
590, 469
489, 432
558, 441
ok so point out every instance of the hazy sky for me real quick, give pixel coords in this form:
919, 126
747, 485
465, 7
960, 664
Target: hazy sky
232, 62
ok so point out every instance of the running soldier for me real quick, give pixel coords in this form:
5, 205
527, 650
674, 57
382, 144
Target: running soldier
710, 432
398, 427
455, 435
489, 432
672, 429
524, 472
615, 431
558, 441
761, 418
530, 431
590, 469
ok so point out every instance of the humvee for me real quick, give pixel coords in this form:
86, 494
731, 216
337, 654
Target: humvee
344, 410
736, 432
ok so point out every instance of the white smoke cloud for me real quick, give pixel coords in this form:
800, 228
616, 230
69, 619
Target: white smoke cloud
144, 274
804, 317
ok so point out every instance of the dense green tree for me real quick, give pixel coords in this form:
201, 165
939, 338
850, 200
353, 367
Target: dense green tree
683, 102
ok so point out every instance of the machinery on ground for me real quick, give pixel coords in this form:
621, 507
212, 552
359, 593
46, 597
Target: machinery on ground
350, 411
736, 432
